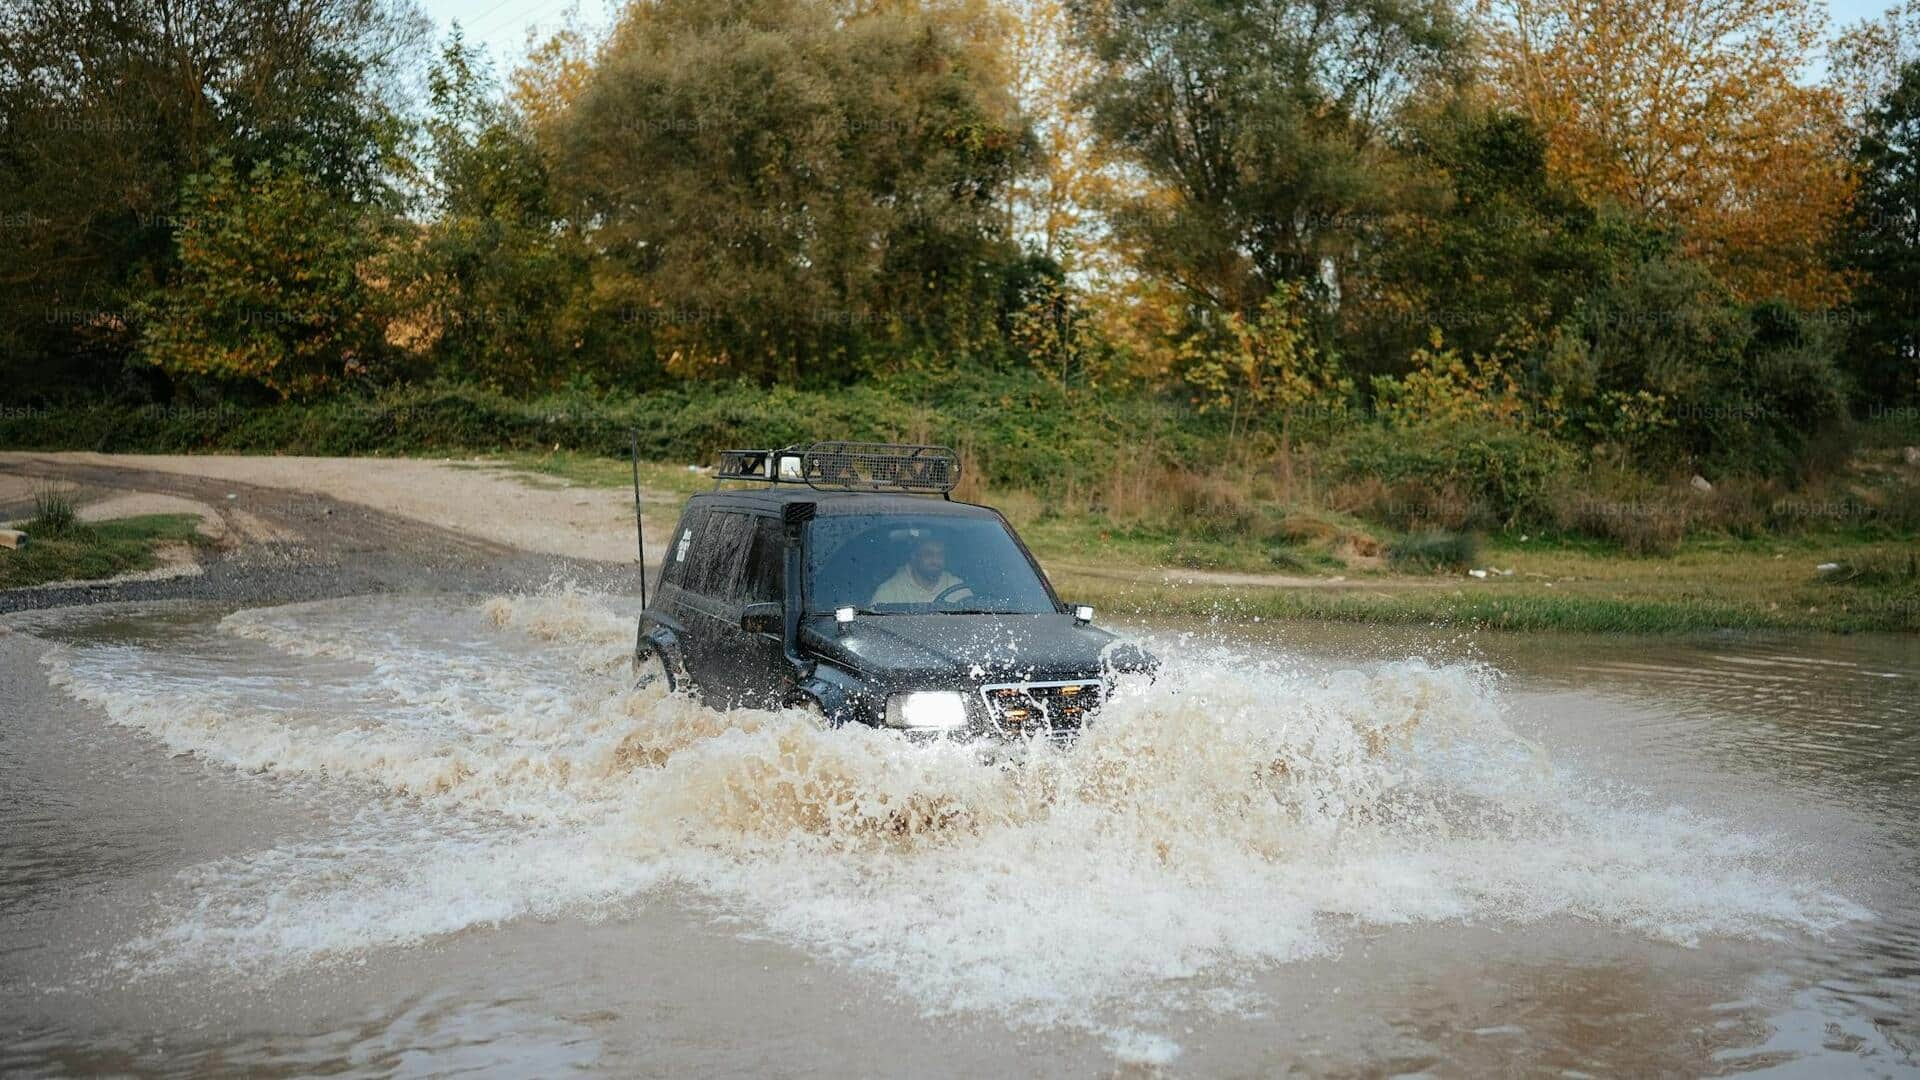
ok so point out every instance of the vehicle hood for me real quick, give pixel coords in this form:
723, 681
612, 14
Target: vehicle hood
935, 649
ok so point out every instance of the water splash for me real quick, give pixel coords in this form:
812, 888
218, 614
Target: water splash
1240, 812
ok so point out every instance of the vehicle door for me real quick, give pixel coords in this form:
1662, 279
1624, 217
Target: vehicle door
668, 608
753, 663
712, 559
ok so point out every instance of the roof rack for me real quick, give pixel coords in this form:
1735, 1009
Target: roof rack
847, 466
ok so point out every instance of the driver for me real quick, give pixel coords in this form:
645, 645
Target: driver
922, 579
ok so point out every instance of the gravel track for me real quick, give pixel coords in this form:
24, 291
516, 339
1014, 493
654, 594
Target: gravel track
283, 545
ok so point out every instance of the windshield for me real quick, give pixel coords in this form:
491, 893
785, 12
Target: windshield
896, 563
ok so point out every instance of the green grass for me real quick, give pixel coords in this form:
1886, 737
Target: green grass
53, 512
1559, 582
1704, 586
1516, 610
81, 551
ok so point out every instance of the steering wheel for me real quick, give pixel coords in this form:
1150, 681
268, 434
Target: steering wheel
949, 591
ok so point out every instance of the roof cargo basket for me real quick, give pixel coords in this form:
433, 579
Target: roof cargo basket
848, 466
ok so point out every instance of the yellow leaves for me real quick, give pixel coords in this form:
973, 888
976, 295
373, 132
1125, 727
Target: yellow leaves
696, 363
1691, 111
1443, 387
1266, 363
1054, 206
554, 75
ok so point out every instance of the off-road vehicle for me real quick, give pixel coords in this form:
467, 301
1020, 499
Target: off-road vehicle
848, 581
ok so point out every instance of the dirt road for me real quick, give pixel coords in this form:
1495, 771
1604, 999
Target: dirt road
471, 513
306, 528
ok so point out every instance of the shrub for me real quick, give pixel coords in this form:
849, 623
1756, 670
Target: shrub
1497, 471
1664, 362
1411, 506
1437, 550
53, 513
1876, 569
1637, 526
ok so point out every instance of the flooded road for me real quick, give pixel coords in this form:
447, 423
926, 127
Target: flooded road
403, 835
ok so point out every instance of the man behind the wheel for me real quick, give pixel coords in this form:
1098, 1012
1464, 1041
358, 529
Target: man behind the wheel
924, 578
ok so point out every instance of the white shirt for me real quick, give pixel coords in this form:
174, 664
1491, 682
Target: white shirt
904, 588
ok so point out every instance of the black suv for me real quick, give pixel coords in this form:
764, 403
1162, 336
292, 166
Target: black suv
850, 583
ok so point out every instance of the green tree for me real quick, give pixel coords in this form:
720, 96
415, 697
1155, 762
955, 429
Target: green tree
778, 188
1257, 124
269, 290
1486, 248
109, 107
1883, 246
1663, 356
489, 279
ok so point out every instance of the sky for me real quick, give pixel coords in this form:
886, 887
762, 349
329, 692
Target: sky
1847, 12
501, 25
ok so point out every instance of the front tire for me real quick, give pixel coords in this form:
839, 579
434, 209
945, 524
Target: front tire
650, 669
808, 704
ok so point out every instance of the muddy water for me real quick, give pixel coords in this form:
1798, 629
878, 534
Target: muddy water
387, 835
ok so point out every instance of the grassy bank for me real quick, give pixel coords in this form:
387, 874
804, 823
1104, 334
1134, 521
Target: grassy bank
1701, 589
1136, 487
1016, 430
79, 551
1317, 564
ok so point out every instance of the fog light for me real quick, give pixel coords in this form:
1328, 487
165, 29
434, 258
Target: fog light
1083, 614
843, 616
935, 709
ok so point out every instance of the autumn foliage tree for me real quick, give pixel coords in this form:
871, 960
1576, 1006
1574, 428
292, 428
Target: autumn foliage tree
1054, 208
1692, 111
1269, 362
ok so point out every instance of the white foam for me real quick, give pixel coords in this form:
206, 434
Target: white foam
1239, 813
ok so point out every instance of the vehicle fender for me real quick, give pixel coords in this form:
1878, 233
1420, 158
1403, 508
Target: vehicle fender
841, 695
663, 640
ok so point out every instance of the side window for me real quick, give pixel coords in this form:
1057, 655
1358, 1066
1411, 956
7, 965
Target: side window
680, 548
718, 552
765, 572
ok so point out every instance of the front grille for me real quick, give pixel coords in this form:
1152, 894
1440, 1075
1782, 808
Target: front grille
1021, 708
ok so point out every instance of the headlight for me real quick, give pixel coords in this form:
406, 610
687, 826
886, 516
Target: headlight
941, 709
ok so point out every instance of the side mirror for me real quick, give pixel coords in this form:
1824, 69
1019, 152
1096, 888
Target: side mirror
761, 618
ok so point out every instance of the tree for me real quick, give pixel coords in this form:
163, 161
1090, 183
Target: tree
1883, 246
489, 278
1488, 248
554, 74
1054, 208
775, 187
110, 107
268, 290
1255, 124
1691, 111
1268, 363
1663, 353
1865, 59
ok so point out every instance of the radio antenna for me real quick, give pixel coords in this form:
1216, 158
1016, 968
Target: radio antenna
639, 535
